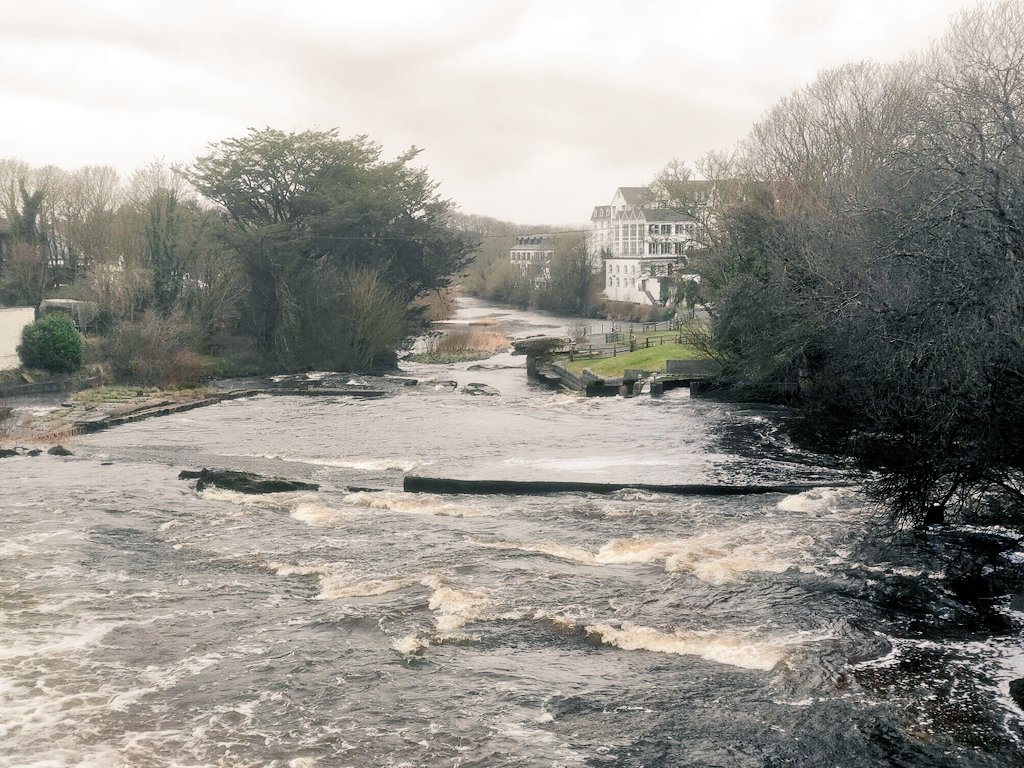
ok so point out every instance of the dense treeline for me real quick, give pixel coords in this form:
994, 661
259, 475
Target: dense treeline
869, 249
274, 251
569, 286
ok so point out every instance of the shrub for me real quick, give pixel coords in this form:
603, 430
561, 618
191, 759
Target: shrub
634, 313
156, 350
461, 344
51, 344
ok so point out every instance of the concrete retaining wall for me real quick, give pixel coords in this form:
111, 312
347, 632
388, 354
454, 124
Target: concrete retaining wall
699, 368
69, 384
12, 320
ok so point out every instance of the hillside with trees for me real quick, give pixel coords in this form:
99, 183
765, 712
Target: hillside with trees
274, 251
570, 287
868, 251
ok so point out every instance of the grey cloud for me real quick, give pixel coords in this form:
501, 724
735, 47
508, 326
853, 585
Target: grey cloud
526, 110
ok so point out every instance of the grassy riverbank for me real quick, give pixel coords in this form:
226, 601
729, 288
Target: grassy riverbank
648, 359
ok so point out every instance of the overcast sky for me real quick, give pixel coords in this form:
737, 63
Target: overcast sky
528, 110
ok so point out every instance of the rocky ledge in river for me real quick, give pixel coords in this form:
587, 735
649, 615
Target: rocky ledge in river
244, 482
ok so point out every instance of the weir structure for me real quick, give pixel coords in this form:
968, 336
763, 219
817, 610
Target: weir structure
545, 358
416, 484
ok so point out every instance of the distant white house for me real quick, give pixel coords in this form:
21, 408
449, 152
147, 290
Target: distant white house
643, 247
532, 254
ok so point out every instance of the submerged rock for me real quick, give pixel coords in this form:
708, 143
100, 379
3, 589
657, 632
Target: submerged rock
475, 388
1017, 692
244, 482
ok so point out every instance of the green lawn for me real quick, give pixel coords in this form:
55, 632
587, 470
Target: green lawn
652, 359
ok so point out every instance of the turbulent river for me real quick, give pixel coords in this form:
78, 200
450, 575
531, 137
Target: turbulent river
143, 623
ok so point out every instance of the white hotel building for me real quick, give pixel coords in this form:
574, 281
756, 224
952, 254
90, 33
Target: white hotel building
641, 247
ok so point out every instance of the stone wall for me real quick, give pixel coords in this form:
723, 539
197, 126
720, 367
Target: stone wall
693, 367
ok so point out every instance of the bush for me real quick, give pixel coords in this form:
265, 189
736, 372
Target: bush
156, 351
629, 312
51, 344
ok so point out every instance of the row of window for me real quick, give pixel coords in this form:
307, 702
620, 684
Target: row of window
666, 248
667, 229
621, 231
647, 268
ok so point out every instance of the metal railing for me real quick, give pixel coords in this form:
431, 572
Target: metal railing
632, 344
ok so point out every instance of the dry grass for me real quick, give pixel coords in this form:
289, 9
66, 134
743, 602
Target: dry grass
459, 344
131, 395
470, 340
51, 429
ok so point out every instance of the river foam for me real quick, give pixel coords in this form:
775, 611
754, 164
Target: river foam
361, 463
453, 607
413, 504
734, 649
333, 587
816, 500
338, 581
308, 508
718, 557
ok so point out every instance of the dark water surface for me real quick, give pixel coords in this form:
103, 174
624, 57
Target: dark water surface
145, 624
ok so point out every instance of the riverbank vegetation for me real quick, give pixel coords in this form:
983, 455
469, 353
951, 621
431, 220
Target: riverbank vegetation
274, 251
868, 246
453, 345
566, 286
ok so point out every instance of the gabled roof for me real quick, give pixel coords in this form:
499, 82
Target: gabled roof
633, 195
